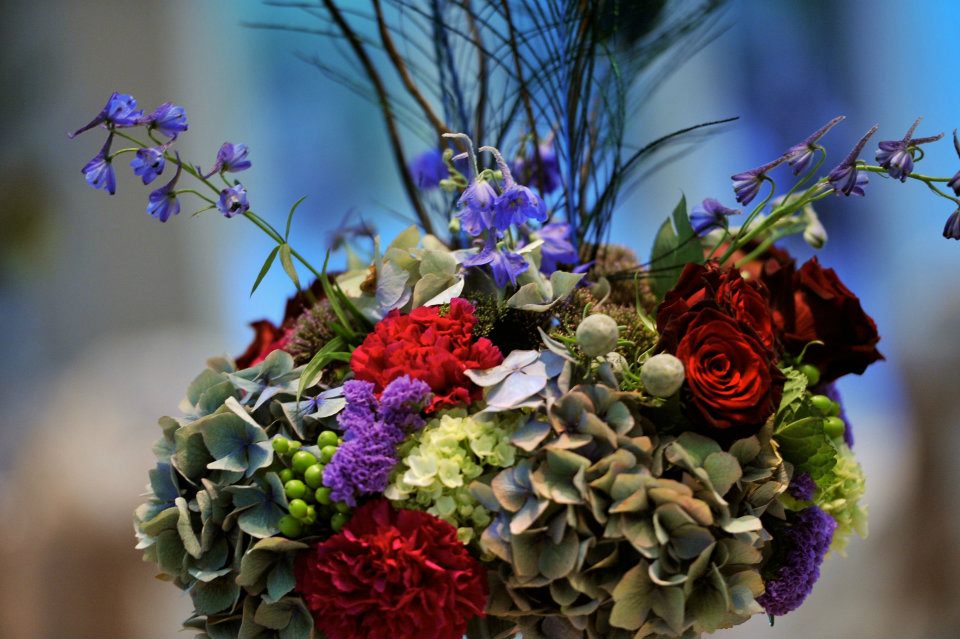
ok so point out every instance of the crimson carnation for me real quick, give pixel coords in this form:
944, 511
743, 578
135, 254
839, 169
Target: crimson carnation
428, 346
392, 574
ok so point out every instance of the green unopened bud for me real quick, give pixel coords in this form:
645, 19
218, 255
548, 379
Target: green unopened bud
662, 375
812, 374
834, 427
814, 234
597, 335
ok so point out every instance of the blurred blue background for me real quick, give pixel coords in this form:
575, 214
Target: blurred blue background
108, 314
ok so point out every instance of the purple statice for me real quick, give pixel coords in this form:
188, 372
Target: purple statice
119, 111
169, 119
846, 178
556, 248
802, 486
99, 170
506, 265
954, 182
746, 185
709, 215
148, 163
951, 230
545, 174
427, 169
802, 545
233, 201
476, 207
231, 158
800, 155
372, 430
831, 391
163, 202
896, 156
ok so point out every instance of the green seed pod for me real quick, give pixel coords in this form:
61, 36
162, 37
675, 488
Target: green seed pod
834, 427
597, 335
662, 375
281, 445
302, 460
295, 489
298, 508
313, 476
327, 438
812, 373
290, 527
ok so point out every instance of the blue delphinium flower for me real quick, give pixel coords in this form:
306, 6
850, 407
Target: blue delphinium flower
505, 264
846, 178
148, 163
556, 248
427, 169
746, 185
476, 207
516, 205
709, 215
951, 230
233, 201
120, 111
99, 170
169, 119
896, 156
163, 202
954, 182
546, 174
231, 158
800, 155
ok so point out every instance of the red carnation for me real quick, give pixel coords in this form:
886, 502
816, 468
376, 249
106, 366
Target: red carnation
425, 345
392, 574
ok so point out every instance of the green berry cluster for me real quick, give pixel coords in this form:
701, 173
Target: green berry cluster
310, 505
833, 426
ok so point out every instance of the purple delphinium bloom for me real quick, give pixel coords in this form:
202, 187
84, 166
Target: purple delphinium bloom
231, 158
506, 265
148, 163
99, 170
557, 247
800, 155
954, 182
951, 230
233, 201
709, 215
516, 205
427, 169
476, 205
169, 119
801, 547
545, 175
746, 185
896, 156
802, 486
163, 202
846, 178
119, 111
831, 391
372, 430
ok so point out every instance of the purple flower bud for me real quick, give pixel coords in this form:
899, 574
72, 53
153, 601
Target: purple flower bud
169, 119
954, 182
896, 156
477, 204
710, 214
231, 158
233, 201
800, 155
846, 178
746, 185
148, 163
163, 202
119, 111
99, 170
951, 230
516, 205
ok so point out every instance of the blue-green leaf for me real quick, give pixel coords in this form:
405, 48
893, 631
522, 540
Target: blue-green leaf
293, 209
673, 249
265, 268
287, 262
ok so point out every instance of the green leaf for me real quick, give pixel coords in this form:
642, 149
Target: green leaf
794, 390
287, 262
185, 529
286, 233
673, 249
216, 596
235, 444
265, 268
328, 353
631, 598
804, 444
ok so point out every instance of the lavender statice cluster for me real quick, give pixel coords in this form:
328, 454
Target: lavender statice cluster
151, 159
372, 429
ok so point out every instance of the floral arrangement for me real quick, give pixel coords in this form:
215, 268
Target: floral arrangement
505, 427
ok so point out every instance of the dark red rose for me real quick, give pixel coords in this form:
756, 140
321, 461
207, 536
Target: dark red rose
731, 377
826, 310
268, 337
392, 574
425, 345
745, 300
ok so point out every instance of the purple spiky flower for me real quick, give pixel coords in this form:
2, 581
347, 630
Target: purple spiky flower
896, 156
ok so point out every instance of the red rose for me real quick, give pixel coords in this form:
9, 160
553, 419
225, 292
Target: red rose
392, 574
731, 376
268, 337
425, 345
745, 300
826, 310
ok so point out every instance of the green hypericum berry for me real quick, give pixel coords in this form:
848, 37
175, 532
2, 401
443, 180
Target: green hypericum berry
313, 476
823, 404
302, 460
295, 489
311, 517
286, 475
293, 446
281, 445
834, 427
323, 496
290, 527
812, 374
298, 508
328, 438
342, 507
338, 521
327, 453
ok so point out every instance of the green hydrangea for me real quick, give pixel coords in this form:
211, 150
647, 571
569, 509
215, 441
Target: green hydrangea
839, 494
439, 462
